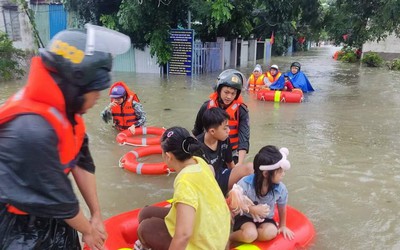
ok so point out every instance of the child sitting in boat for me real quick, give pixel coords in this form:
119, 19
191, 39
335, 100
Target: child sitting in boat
288, 84
218, 151
297, 78
265, 189
187, 224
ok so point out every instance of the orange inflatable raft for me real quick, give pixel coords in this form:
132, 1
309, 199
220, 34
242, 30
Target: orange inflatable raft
130, 161
126, 137
122, 228
296, 95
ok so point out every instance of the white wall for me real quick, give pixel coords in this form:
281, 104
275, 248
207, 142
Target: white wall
27, 40
390, 45
144, 63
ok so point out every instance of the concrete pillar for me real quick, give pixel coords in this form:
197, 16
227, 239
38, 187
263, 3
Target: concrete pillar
252, 50
221, 42
267, 52
244, 53
234, 43
290, 48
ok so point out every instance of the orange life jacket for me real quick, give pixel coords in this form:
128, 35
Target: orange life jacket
256, 84
42, 96
124, 116
233, 112
272, 78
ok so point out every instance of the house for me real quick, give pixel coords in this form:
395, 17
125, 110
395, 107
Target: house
15, 22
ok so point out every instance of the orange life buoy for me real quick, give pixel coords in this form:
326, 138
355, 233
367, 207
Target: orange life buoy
296, 95
126, 137
129, 161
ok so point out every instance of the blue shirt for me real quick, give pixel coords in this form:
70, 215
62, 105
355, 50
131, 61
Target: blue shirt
278, 195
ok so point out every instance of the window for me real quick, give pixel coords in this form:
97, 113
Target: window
11, 21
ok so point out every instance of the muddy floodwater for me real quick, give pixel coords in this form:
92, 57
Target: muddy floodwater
343, 141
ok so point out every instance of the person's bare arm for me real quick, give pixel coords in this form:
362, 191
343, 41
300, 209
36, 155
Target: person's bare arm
86, 183
185, 220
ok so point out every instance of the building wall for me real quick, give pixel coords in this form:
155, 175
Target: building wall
388, 49
144, 63
15, 22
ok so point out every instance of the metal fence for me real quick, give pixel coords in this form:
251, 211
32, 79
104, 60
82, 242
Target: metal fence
206, 57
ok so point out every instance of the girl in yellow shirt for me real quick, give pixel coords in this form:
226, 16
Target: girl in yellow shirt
199, 217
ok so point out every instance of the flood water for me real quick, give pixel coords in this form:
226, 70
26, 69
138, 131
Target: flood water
343, 141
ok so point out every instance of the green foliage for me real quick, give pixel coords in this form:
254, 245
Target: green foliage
350, 57
353, 22
90, 11
395, 64
148, 22
9, 59
220, 11
372, 59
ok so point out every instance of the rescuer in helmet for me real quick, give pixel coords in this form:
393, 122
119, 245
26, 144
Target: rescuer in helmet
43, 138
227, 96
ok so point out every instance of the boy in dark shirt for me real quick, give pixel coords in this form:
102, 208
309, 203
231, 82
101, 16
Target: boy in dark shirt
217, 149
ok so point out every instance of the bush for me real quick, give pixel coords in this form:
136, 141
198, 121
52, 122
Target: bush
395, 64
372, 59
10, 59
348, 56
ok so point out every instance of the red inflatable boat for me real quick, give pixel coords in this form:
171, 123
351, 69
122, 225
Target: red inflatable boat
122, 228
296, 95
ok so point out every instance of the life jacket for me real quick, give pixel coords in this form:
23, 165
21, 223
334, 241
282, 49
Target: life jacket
42, 96
272, 78
256, 84
124, 115
233, 112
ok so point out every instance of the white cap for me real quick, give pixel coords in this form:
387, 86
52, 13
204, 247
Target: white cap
274, 66
258, 68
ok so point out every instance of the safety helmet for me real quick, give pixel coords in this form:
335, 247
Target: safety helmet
118, 92
65, 55
296, 64
274, 66
231, 78
80, 61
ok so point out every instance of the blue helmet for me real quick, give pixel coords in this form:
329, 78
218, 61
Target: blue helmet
118, 92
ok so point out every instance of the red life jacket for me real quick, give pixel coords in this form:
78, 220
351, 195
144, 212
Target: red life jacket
256, 84
272, 78
42, 96
233, 112
124, 116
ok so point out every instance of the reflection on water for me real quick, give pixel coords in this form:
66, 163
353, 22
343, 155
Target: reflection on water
343, 143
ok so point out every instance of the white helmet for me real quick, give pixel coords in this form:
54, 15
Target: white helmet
274, 66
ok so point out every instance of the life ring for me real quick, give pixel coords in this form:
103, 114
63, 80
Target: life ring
296, 95
130, 161
126, 137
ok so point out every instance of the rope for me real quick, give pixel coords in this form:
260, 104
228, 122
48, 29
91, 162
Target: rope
120, 164
132, 144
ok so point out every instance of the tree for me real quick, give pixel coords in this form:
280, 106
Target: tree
354, 22
10, 59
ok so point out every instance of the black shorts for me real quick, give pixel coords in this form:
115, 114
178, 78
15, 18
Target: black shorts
241, 219
223, 179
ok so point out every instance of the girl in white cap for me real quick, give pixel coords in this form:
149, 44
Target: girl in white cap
265, 189
257, 80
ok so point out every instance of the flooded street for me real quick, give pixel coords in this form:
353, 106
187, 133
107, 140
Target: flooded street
343, 141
